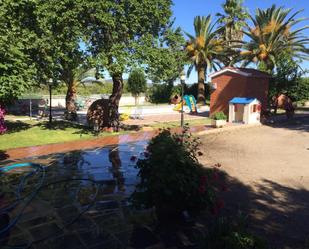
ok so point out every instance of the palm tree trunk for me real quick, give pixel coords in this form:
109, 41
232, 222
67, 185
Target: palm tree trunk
114, 99
70, 100
201, 85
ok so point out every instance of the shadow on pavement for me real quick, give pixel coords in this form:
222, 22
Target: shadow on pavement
300, 122
278, 213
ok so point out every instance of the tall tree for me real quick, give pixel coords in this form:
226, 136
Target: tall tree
205, 50
233, 21
118, 29
287, 78
137, 83
166, 58
16, 68
271, 35
60, 29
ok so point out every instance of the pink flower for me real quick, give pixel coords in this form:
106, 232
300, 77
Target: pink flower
224, 188
215, 176
179, 139
220, 204
202, 189
203, 179
214, 211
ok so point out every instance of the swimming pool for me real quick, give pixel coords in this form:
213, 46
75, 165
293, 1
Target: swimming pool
75, 200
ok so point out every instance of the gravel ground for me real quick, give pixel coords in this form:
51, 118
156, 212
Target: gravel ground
267, 170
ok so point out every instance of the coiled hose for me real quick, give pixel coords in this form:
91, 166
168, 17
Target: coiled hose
37, 169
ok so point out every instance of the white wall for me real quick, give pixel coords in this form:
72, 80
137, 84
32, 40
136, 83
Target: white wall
253, 117
59, 101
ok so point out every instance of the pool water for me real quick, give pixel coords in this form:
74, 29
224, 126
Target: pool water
76, 200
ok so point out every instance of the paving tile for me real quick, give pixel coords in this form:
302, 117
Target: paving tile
45, 231
68, 241
35, 221
94, 238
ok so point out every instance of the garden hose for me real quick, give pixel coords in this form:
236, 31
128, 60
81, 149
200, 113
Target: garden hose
40, 186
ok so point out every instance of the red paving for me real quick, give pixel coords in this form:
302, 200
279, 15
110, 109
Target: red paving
19, 153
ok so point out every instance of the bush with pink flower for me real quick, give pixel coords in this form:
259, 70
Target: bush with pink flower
171, 178
2, 124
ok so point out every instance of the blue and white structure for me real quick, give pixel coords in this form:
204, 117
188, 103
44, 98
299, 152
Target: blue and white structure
244, 110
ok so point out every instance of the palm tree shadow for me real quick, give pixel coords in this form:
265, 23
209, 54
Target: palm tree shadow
276, 212
16, 126
64, 125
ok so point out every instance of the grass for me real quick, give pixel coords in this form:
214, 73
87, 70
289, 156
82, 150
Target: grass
31, 133
14, 117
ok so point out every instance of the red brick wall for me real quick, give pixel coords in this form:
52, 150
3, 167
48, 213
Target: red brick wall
230, 85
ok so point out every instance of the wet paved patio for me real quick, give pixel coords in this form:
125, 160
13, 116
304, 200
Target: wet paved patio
77, 200
80, 196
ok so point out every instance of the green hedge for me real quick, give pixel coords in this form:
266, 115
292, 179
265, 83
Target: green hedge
161, 93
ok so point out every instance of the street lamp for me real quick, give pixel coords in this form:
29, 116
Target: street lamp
50, 83
182, 81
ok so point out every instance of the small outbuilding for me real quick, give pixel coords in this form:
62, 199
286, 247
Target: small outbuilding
244, 110
233, 82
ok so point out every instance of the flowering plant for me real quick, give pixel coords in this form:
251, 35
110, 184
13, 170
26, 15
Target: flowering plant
2, 124
172, 178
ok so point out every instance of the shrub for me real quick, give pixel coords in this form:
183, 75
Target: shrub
219, 116
136, 83
172, 179
232, 234
176, 90
192, 90
2, 124
159, 93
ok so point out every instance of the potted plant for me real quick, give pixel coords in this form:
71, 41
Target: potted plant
218, 119
171, 178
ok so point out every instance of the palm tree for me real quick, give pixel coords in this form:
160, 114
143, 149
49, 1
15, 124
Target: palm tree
73, 78
271, 35
232, 21
205, 51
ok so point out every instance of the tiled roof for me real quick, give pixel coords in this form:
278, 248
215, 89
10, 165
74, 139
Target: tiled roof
248, 72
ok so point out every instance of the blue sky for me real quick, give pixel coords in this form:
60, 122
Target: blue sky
185, 10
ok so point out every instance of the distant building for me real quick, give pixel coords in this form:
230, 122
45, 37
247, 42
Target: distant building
231, 82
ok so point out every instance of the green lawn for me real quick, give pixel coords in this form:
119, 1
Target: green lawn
30, 133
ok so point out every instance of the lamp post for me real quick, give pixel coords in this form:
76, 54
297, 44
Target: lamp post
182, 81
50, 83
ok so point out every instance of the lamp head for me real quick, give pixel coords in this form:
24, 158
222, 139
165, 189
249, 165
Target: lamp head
50, 81
182, 76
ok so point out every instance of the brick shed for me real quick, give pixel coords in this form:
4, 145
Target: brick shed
233, 82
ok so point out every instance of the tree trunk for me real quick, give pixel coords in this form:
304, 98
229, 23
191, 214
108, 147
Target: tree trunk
70, 100
201, 85
114, 99
136, 99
